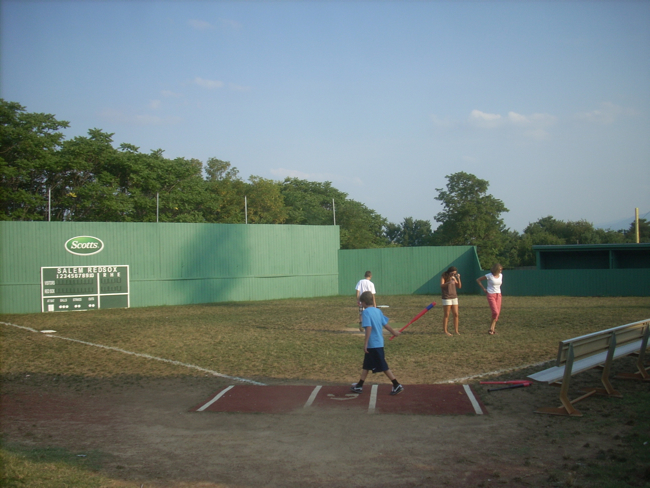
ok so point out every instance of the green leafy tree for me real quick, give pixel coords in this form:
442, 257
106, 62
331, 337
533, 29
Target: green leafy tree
410, 232
310, 202
549, 231
361, 227
85, 181
225, 193
471, 217
28, 146
644, 231
265, 201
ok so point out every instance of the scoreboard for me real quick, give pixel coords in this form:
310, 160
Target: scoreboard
69, 288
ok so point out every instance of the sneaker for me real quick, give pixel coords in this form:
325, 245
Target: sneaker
397, 390
356, 389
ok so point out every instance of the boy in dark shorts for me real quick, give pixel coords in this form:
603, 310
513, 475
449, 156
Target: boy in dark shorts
373, 321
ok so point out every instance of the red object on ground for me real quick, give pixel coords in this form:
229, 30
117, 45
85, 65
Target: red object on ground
510, 382
448, 399
428, 307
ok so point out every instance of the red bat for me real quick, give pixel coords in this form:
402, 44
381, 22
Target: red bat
510, 387
510, 382
429, 307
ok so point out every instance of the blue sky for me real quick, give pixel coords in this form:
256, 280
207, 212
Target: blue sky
548, 101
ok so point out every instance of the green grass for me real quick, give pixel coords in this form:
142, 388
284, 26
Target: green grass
24, 467
306, 339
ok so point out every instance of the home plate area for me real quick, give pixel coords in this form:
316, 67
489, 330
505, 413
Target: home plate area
415, 399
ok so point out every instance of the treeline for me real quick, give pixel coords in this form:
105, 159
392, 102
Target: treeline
87, 179
44, 176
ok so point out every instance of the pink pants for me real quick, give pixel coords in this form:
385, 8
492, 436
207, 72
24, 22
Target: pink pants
494, 299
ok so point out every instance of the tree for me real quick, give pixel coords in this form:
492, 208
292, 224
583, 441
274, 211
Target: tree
86, 181
644, 231
549, 231
226, 191
361, 227
28, 145
265, 201
310, 202
410, 233
471, 217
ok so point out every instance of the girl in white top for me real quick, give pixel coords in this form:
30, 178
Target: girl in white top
494, 281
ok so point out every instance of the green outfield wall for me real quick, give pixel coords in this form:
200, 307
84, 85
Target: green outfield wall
59, 266
171, 264
577, 282
417, 270
408, 270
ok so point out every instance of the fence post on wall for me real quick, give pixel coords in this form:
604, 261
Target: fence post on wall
49, 204
246, 208
157, 206
334, 211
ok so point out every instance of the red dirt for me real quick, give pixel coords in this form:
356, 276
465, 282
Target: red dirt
147, 435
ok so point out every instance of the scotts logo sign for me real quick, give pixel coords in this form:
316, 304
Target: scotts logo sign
84, 245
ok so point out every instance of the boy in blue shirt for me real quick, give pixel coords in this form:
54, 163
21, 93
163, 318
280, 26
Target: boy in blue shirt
373, 321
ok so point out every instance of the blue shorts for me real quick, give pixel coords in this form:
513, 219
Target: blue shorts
374, 360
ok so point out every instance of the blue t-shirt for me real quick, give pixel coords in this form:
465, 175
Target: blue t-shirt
373, 317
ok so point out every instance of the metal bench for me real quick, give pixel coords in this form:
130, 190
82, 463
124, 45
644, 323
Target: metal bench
596, 350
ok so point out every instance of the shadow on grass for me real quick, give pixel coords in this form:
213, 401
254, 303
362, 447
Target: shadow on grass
30, 466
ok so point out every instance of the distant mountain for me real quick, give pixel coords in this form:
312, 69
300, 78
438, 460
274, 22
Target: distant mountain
616, 225
622, 224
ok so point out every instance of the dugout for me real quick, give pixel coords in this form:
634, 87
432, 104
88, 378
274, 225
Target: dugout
593, 256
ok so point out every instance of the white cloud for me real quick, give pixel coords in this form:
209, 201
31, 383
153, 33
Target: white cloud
230, 24
234, 87
482, 119
199, 24
154, 104
211, 84
607, 114
535, 124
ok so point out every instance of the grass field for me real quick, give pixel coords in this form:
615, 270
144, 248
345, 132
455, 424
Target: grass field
296, 341
307, 340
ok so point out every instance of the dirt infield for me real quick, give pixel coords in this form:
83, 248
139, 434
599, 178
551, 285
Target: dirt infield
374, 399
143, 433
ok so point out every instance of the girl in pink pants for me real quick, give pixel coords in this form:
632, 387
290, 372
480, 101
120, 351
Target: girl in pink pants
494, 281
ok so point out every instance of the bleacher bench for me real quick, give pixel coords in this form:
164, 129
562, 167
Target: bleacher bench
595, 350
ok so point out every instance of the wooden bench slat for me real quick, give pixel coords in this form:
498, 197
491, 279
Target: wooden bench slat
599, 341
555, 373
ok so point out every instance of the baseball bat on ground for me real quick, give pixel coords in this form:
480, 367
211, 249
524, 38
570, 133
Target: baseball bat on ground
428, 307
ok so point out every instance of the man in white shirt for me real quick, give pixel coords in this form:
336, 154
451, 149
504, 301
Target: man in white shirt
365, 285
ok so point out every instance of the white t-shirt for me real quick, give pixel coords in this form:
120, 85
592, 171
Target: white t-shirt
494, 284
365, 285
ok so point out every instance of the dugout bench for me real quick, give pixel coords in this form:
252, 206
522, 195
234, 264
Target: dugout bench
595, 350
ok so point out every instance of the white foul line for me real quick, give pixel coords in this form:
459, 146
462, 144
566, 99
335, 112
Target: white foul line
19, 326
373, 399
472, 398
501, 371
312, 397
146, 356
219, 395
